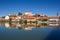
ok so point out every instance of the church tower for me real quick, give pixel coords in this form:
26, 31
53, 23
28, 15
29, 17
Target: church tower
57, 14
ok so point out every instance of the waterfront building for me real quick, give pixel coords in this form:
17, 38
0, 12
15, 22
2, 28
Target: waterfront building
7, 17
13, 17
28, 16
54, 19
2, 19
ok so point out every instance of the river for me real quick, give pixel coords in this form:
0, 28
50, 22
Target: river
16, 31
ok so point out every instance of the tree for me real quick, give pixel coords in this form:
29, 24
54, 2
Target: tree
25, 21
19, 13
3, 17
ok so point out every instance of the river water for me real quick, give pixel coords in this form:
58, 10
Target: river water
16, 31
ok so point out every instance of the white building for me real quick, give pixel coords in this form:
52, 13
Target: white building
28, 13
53, 20
7, 18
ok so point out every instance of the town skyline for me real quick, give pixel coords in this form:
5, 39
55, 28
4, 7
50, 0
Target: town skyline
47, 7
56, 14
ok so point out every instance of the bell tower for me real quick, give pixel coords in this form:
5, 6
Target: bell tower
57, 14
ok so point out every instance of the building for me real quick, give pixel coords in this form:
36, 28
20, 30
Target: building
13, 17
54, 19
2, 19
7, 17
28, 16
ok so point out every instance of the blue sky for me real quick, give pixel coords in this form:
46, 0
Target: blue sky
48, 7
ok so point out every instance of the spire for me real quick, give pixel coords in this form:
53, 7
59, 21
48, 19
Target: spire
57, 14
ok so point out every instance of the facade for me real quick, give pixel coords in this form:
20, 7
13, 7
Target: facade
2, 19
54, 19
13, 17
28, 16
7, 17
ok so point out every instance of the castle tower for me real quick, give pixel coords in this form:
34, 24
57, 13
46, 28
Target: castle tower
57, 14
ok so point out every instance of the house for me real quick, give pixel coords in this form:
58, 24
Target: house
7, 18
2, 19
28, 16
53, 19
13, 17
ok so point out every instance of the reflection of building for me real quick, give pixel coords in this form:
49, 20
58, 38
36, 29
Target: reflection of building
7, 25
28, 28
12, 25
55, 25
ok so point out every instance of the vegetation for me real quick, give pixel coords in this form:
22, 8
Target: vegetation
36, 22
19, 13
30, 22
2, 21
44, 20
25, 21
21, 21
3, 17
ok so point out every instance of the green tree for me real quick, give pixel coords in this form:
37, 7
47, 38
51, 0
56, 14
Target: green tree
19, 13
25, 21
30, 22
3, 17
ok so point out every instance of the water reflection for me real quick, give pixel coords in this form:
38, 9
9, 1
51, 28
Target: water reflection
55, 25
28, 26
36, 31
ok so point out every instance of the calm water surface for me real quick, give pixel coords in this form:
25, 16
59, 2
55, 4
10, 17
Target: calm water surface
29, 32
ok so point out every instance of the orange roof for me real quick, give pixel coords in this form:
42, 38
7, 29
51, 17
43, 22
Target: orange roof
31, 17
